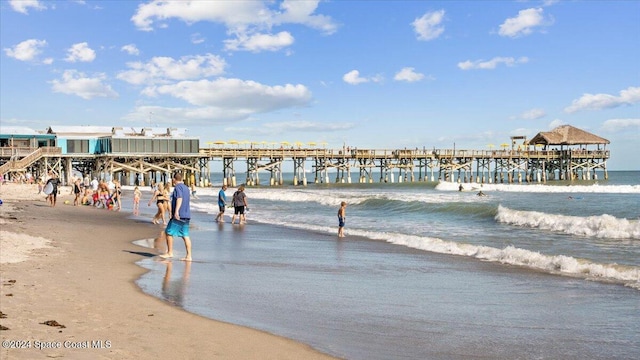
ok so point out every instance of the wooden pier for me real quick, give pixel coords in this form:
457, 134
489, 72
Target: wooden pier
562, 154
482, 166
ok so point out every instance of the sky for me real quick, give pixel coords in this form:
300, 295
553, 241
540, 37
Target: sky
366, 74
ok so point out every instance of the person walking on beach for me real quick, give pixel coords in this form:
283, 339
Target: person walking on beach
222, 202
181, 215
76, 191
137, 194
342, 218
159, 197
51, 198
239, 204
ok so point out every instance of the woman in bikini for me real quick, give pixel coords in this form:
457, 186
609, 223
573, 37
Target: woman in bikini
161, 200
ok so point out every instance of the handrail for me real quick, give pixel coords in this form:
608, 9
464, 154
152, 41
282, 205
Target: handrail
13, 165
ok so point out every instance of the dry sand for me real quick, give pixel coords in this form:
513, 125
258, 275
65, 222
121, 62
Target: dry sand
74, 266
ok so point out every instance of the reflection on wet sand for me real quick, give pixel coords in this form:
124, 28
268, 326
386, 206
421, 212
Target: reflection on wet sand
173, 290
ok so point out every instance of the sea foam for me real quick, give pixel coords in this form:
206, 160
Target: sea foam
601, 226
535, 188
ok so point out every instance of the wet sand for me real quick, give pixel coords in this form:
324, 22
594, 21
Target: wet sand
74, 267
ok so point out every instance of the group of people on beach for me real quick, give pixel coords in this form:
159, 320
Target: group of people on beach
239, 202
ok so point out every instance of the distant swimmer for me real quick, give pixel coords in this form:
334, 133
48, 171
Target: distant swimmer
480, 193
460, 188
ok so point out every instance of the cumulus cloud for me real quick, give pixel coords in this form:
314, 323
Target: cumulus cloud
221, 100
533, 114
80, 52
523, 24
353, 77
130, 49
166, 69
27, 50
491, 64
621, 125
76, 83
429, 26
236, 94
23, 6
250, 22
408, 74
260, 42
605, 101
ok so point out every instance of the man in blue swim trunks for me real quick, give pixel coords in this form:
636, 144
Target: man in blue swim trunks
180, 217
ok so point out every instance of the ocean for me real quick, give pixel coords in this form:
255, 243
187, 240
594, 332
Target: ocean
426, 271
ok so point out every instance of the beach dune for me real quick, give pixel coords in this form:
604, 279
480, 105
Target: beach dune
67, 291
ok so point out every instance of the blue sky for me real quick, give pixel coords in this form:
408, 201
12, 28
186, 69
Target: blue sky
368, 74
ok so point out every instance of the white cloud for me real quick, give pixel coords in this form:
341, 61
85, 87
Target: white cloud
428, 27
76, 83
302, 12
130, 49
491, 64
605, 101
80, 52
221, 101
533, 114
22, 6
555, 123
236, 94
166, 69
247, 21
353, 77
408, 74
197, 38
620, 125
27, 50
523, 24
260, 42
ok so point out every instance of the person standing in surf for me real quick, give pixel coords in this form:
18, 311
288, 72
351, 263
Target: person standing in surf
342, 218
222, 202
240, 205
180, 217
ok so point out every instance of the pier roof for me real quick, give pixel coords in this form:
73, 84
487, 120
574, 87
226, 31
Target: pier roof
567, 135
82, 130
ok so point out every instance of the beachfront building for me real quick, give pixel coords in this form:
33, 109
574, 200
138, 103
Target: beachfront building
140, 155
21, 147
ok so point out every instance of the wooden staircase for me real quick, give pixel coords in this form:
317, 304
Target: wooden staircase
20, 165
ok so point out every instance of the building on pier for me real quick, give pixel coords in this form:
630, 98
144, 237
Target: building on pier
580, 153
131, 155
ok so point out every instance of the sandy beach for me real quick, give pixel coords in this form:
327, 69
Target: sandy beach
73, 267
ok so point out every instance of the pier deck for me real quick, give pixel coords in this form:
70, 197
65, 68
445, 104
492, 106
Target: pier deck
383, 165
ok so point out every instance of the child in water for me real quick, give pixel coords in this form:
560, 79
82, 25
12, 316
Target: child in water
342, 218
